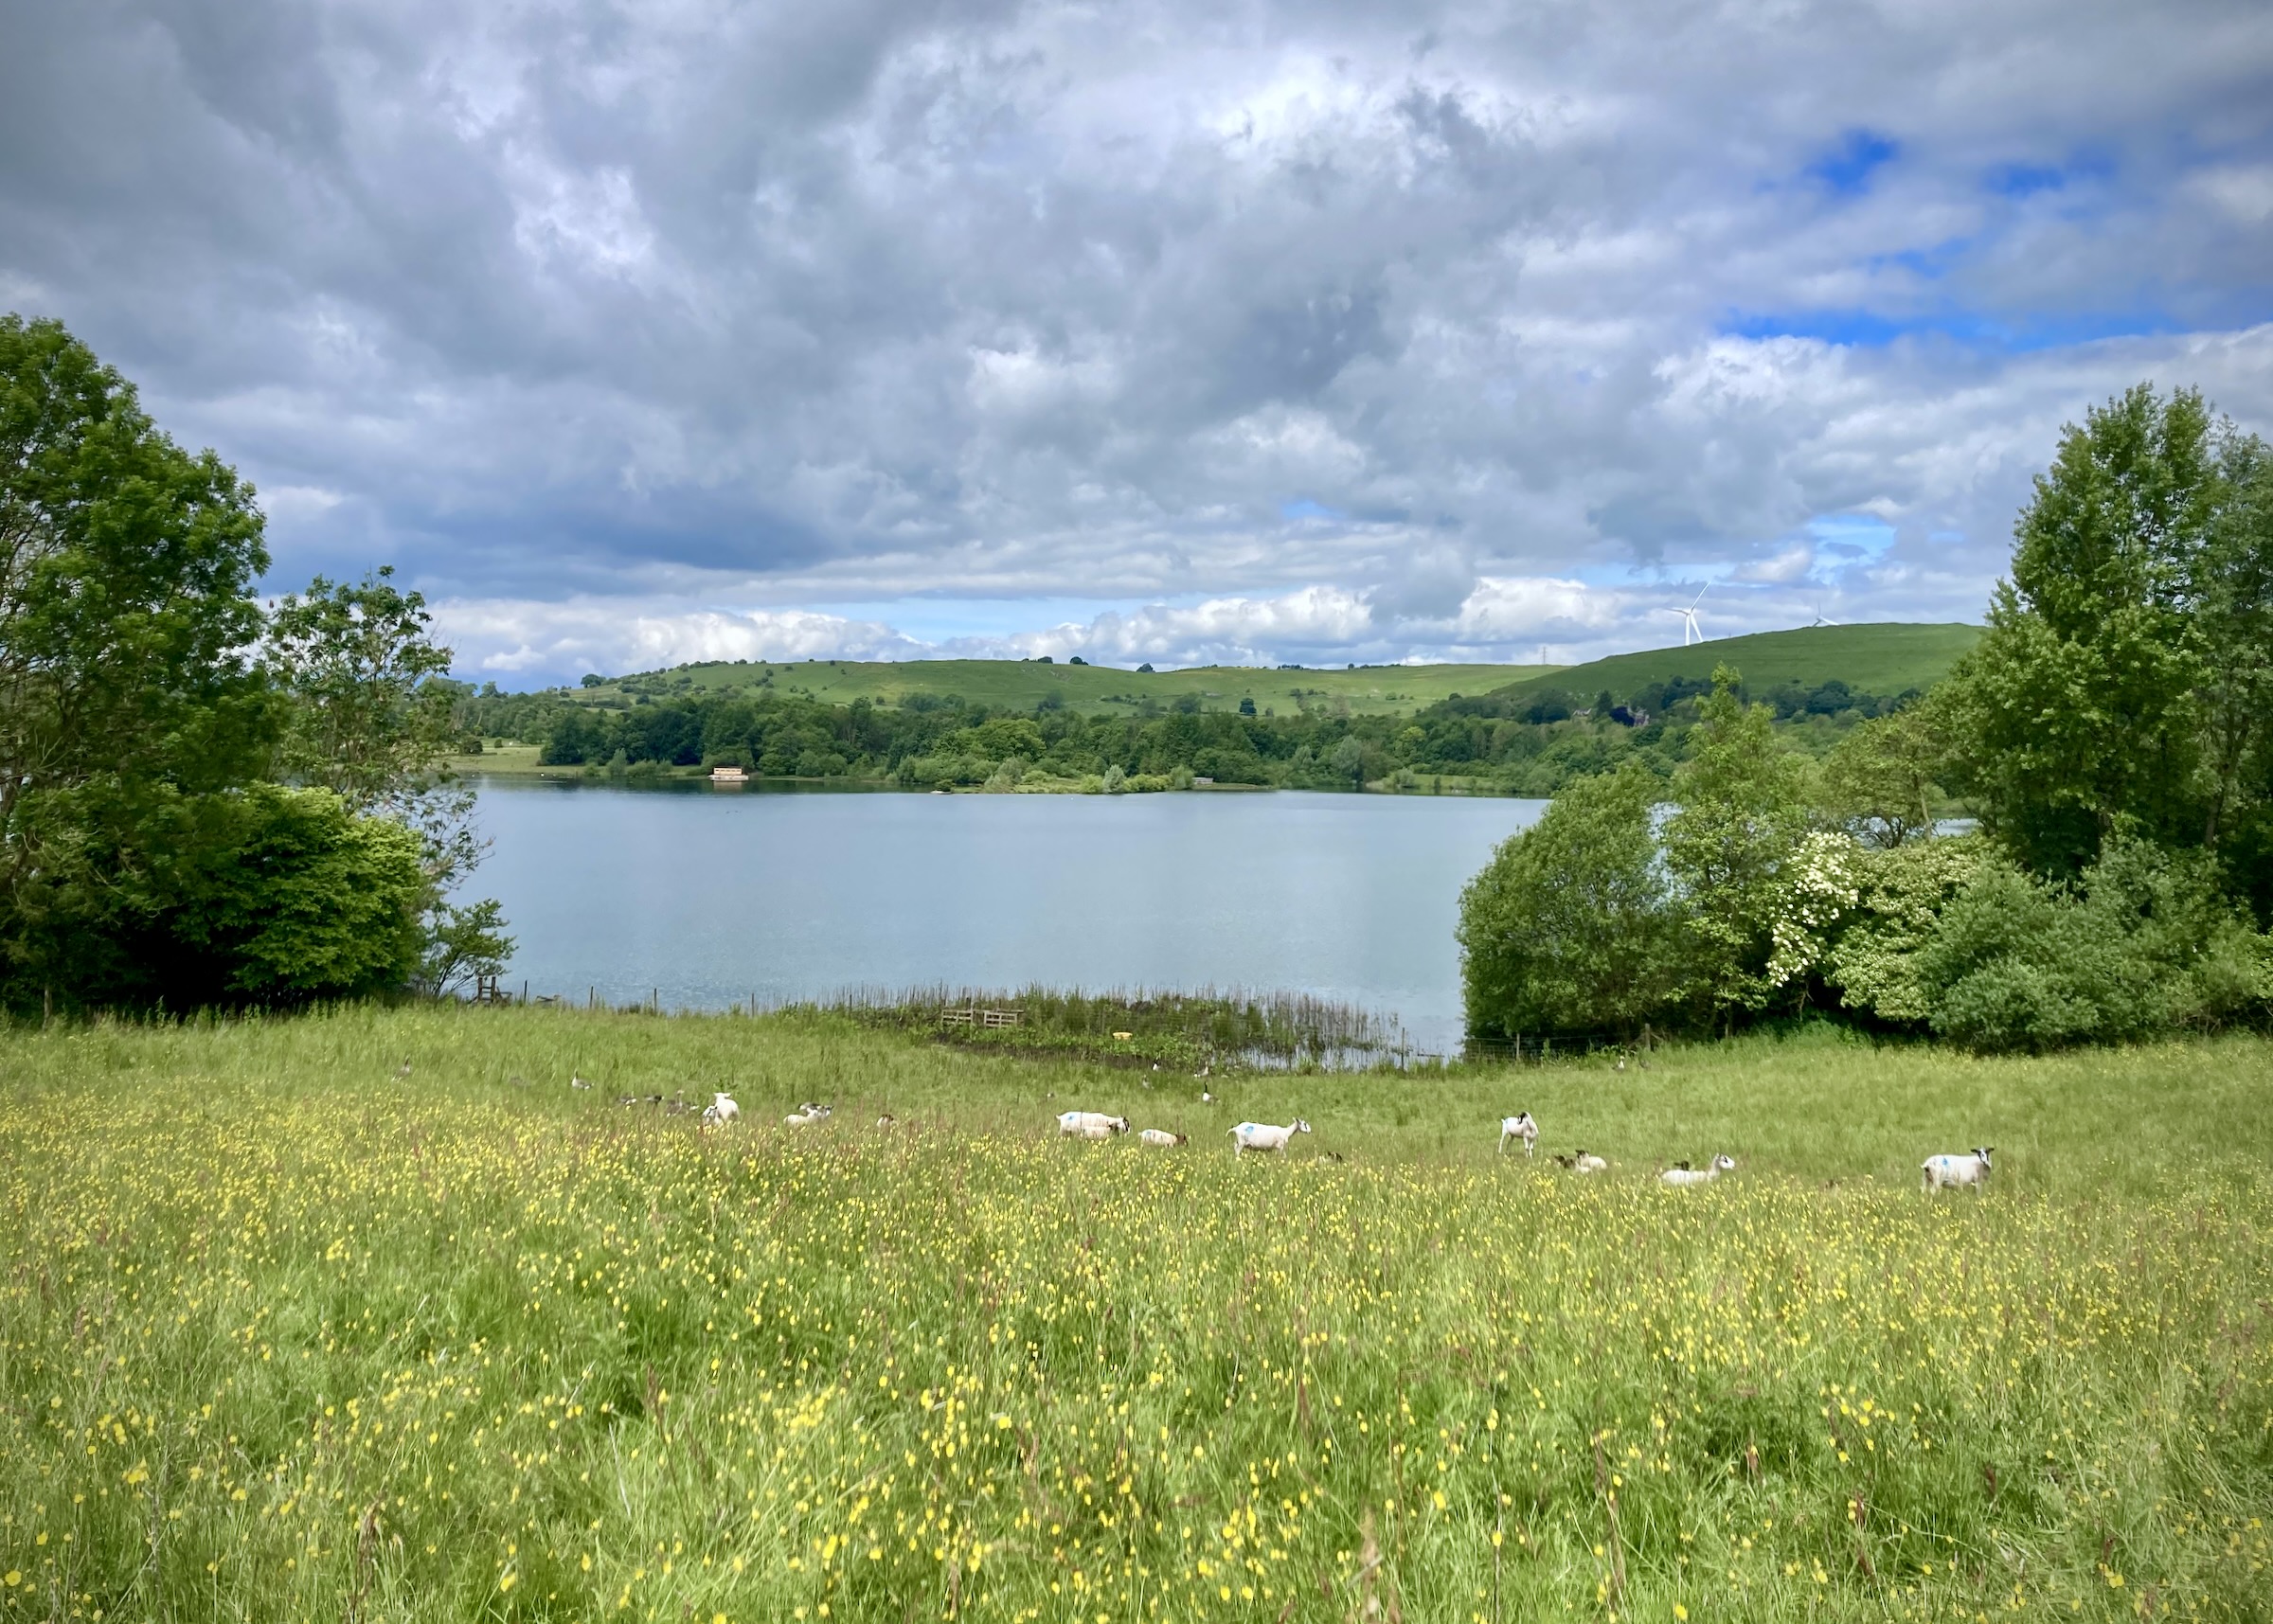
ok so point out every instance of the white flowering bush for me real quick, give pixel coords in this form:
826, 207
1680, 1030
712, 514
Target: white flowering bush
1815, 891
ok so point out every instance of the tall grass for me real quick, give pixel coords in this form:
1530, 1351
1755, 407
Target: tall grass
283, 1333
1205, 1025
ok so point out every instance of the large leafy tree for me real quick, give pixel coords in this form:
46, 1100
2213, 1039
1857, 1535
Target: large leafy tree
2121, 686
371, 719
127, 621
144, 858
1742, 810
1572, 926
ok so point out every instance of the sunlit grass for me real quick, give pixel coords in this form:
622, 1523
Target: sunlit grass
284, 1333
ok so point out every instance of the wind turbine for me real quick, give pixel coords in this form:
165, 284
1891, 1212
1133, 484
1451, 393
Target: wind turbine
1820, 619
1691, 631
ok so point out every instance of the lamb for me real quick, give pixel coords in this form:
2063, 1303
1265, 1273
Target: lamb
1584, 1162
1681, 1175
806, 1115
721, 1109
1947, 1173
1519, 1126
1162, 1138
1090, 1125
1262, 1137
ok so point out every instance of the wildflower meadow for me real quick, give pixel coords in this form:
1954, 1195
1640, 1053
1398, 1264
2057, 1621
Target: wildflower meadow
375, 1315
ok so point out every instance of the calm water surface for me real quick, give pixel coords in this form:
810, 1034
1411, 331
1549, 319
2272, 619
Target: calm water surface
710, 896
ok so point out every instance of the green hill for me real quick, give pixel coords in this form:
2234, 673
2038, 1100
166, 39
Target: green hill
1021, 685
1887, 658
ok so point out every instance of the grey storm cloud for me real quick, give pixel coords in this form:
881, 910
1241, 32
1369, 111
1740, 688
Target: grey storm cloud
636, 332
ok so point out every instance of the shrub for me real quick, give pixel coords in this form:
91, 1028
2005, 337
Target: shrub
1572, 926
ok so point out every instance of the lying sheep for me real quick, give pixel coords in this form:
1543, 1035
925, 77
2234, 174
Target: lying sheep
806, 1115
1162, 1138
1584, 1162
1681, 1175
1090, 1125
1519, 1126
1262, 1137
721, 1109
1947, 1173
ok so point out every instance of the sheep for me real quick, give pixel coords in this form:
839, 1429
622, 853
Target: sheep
1262, 1137
1090, 1125
887, 1120
806, 1115
1582, 1162
1681, 1175
1947, 1173
1162, 1138
1519, 1126
721, 1109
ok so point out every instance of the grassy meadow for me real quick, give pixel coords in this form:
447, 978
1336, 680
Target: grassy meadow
1886, 658
286, 1331
1021, 685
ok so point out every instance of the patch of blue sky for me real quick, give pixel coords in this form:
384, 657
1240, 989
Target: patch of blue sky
1850, 536
1302, 509
1861, 153
1874, 330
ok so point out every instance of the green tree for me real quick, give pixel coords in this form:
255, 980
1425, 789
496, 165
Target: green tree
1879, 780
2081, 714
1742, 801
1572, 925
1349, 763
126, 573
372, 720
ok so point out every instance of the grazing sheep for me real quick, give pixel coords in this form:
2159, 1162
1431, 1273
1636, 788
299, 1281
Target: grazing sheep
1947, 1173
1262, 1137
1519, 1126
1681, 1175
721, 1109
806, 1115
1090, 1125
1161, 1137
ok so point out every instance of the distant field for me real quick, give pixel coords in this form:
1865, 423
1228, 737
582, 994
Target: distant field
1019, 684
1884, 658
371, 1315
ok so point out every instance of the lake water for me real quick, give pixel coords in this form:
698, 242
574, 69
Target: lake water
710, 896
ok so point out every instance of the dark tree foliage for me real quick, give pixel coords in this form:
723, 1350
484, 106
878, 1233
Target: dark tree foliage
144, 859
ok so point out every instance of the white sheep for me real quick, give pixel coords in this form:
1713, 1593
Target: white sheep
1584, 1162
1262, 1137
1681, 1175
1947, 1173
1519, 1126
806, 1115
721, 1109
1090, 1125
1162, 1138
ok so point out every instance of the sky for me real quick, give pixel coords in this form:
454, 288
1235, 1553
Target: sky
640, 333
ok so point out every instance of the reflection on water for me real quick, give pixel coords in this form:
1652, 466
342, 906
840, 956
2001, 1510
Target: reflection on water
709, 898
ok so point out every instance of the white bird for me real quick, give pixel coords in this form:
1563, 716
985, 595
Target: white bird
1681, 1175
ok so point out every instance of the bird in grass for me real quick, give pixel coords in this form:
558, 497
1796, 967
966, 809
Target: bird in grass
578, 1082
403, 1070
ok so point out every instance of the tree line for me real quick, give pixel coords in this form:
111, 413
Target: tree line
2109, 735
203, 801
1521, 743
